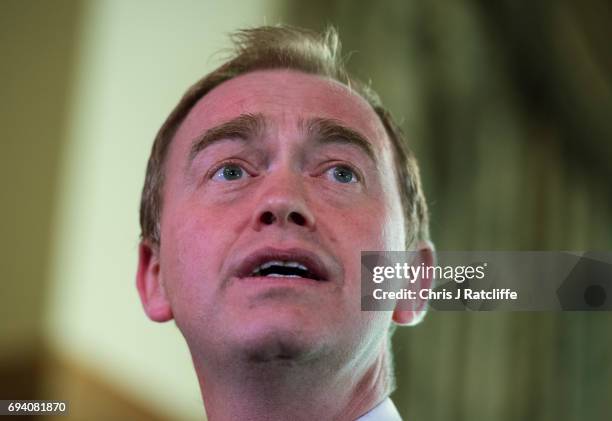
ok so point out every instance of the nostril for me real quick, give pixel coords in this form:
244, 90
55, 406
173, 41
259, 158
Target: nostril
267, 218
297, 218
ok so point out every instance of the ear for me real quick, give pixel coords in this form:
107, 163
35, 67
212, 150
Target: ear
402, 315
149, 284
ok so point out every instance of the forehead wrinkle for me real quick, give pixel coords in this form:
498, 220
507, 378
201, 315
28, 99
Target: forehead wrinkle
331, 131
245, 127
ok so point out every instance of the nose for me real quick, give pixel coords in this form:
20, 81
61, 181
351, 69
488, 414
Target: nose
282, 202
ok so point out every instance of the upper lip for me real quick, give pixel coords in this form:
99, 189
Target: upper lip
311, 260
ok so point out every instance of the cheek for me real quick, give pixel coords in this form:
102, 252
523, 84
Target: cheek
393, 235
376, 226
191, 251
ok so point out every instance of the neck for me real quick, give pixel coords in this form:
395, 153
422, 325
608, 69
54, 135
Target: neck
295, 390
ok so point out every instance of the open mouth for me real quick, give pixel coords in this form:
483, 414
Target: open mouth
279, 268
293, 263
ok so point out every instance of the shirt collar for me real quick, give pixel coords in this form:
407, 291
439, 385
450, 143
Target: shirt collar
384, 411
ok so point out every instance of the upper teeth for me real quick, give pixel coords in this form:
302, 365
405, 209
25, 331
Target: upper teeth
271, 263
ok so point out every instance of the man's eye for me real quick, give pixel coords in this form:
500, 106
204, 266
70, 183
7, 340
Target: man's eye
230, 172
342, 174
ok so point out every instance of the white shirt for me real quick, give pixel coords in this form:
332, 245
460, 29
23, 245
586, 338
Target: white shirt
384, 411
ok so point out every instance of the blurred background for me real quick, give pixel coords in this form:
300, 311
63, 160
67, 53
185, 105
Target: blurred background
507, 104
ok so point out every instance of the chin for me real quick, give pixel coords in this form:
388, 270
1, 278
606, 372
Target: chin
278, 340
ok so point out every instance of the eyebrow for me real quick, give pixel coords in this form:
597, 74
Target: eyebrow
243, 127
325, 131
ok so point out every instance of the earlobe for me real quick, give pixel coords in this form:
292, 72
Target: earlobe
412, 312
149, 284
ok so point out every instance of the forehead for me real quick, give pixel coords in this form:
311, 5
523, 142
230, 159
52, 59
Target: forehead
285, 97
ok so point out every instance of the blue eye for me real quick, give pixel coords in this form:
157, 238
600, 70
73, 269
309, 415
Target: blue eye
230, 172
342, 174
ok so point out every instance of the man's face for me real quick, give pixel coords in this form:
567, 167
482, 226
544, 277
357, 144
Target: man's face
275, 182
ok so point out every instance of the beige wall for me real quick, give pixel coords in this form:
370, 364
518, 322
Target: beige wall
37, 40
